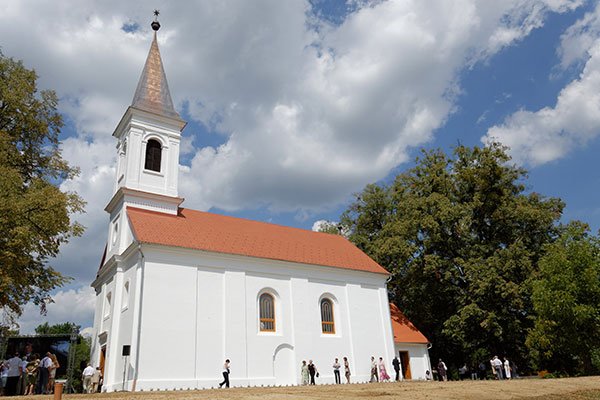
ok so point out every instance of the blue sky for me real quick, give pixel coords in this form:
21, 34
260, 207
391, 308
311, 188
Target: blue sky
293, 106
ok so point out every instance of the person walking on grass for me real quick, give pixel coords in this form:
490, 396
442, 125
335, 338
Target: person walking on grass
312, 370
442, 371
87, 375
226, 372
396, 365
507, 368
374, 377
304, 373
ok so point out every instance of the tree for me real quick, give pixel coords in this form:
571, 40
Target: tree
461, 238
566, 299
34, 213
57, 329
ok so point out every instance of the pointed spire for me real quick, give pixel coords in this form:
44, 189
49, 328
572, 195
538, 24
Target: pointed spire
152, 93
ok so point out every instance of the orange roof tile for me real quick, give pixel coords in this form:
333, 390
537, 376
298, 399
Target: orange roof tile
404, 330
223, 234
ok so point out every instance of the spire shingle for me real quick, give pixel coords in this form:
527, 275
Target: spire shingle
152, 93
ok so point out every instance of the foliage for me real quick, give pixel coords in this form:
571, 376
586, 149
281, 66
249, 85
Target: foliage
331, 228
65, 328
34, 212
566, 299
461, 238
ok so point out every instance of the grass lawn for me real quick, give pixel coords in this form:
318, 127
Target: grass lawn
586, 388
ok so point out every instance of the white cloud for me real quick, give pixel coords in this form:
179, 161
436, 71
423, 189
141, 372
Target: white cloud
537, 137
73, 305
309, 112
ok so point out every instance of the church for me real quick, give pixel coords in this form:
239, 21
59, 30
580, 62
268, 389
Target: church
179, 291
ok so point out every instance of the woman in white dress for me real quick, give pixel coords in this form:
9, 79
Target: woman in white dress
506, 368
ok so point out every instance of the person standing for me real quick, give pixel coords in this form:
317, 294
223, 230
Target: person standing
336, 371
497, 367
347, 369
32, 373
304, 373
312, 370
52, 373
86, 376
481, 370
23, 378
3, 377
43, 374
14, 372
374, 377
442, 371
506, 368
462, 372
396, 364
226, 372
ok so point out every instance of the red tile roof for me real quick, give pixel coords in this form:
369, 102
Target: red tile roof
404, 330
223, 234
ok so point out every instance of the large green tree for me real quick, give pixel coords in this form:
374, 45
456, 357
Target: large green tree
461, 237
566, 299
35, 215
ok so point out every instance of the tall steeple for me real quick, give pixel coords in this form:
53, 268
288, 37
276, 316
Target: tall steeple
152, 93
148, 140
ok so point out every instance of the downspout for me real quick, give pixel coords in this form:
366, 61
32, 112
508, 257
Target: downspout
139, 317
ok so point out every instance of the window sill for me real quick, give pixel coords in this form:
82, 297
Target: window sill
150, 172
268, 333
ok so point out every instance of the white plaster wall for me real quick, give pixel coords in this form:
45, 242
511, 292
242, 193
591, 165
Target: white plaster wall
200, 308
419, 358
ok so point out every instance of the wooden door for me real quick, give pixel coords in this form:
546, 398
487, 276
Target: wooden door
405, 362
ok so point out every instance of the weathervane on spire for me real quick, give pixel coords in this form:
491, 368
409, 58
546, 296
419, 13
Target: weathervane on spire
155, 24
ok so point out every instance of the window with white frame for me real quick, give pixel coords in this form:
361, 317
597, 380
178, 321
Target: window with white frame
266, 305
327, 320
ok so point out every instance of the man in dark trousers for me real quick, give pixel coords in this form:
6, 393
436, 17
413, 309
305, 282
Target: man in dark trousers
396, 364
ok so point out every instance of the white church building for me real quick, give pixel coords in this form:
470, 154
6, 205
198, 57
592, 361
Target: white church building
179, 290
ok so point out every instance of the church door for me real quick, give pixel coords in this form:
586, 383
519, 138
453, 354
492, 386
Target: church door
283, 366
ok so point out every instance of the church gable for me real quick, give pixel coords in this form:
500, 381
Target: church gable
223, 234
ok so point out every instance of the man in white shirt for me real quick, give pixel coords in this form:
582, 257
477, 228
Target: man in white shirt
43, 374
497, 365
87, 375
14, 372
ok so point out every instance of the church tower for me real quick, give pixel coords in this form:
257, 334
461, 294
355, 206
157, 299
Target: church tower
148, 136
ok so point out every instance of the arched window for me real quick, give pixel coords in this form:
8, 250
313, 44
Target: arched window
327, 323
153, 154
267, 312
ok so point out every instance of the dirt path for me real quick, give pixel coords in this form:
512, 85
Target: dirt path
587, 388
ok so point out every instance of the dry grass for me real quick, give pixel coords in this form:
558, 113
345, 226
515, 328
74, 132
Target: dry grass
587, 388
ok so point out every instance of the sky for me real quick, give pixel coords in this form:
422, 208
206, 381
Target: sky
293, 106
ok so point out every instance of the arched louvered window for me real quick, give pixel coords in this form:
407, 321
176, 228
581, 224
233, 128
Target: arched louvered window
153, 155
267, 312
327, 323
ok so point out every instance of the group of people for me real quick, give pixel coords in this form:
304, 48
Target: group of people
309, 371
91, 379
28, 374
502, 369
378, 371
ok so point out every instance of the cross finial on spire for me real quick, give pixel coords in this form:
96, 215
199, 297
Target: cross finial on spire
155, 24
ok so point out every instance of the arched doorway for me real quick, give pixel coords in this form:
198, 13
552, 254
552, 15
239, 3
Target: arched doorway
283, 365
